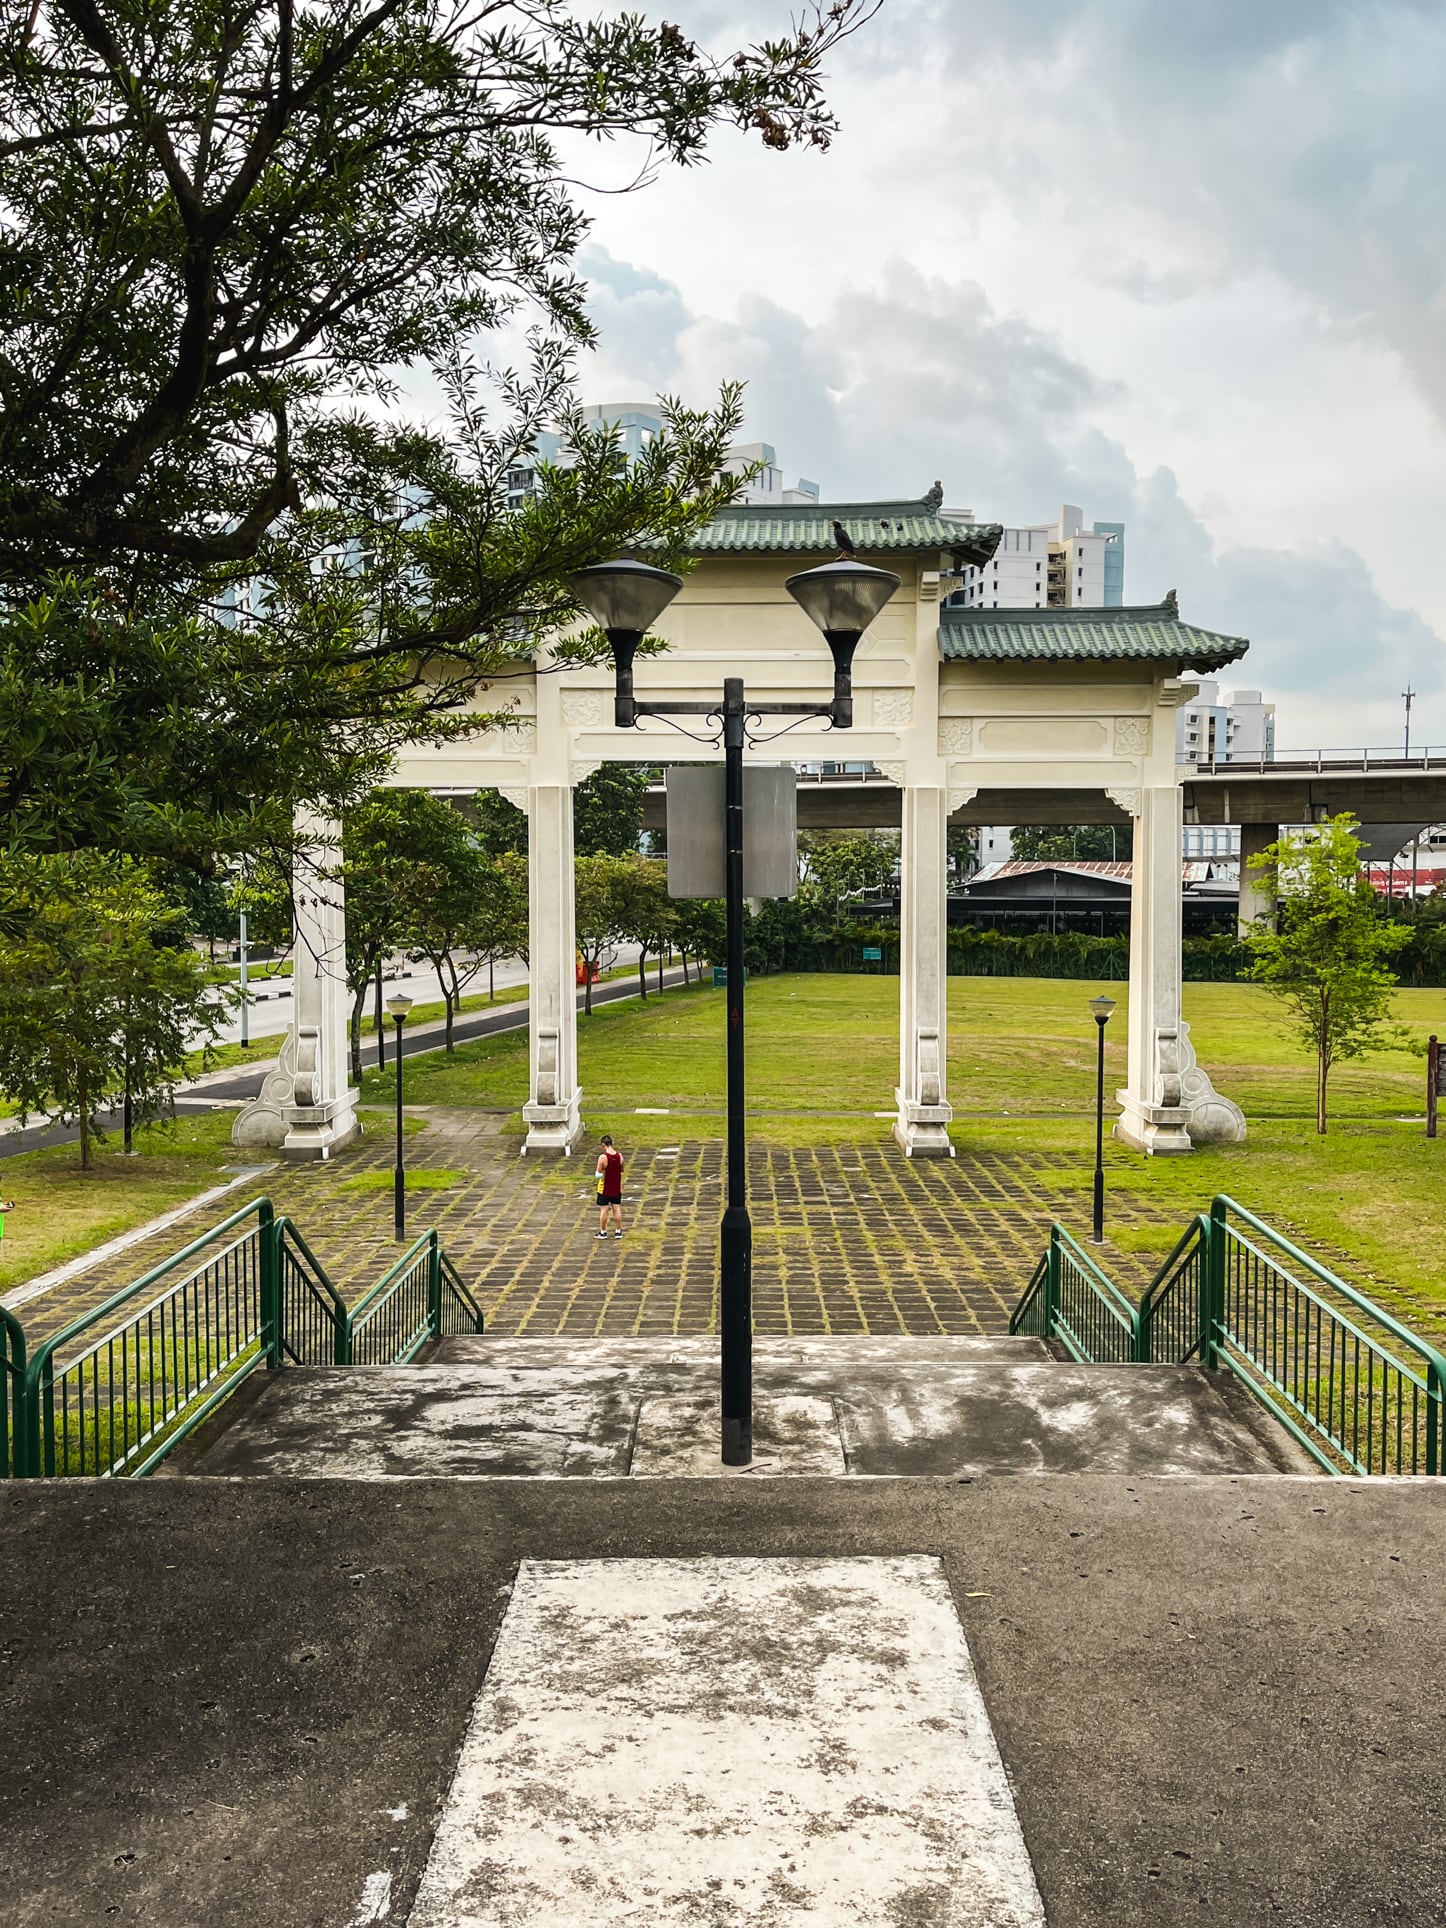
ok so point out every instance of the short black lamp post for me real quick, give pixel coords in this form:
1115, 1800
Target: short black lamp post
397, 1008
625, 598
1103, 1008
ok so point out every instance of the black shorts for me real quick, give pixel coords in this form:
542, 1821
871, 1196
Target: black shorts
609, 1198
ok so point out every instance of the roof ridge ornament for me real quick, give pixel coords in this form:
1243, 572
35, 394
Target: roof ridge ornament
934, 500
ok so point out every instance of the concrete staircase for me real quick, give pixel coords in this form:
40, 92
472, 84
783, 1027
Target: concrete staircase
887, 1407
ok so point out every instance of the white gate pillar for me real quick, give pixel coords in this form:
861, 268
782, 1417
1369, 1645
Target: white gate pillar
924, 1110
307, 1106
1155, 1111
552, 1112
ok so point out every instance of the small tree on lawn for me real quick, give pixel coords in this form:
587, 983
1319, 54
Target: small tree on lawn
700, 928
645, 911
447, 892
1327, 960
384, 856
499, 926
603, 887
100, 992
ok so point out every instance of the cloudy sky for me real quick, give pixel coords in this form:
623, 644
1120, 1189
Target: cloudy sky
1182, 265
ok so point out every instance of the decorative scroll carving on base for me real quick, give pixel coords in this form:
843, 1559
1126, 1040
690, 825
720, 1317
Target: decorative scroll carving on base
893, 770
958, 794
1213, 1119
1126, 799
262, 1123
516, 796
581, 768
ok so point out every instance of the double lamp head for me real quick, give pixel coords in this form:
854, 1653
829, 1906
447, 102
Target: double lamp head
626, 598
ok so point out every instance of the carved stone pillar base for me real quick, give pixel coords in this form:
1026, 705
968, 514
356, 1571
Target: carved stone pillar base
1157, 1130
554, 1128
315, 1131
922, 1131
284, 1118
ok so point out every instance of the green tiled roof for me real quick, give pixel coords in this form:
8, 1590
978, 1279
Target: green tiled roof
875, 528
1148, 633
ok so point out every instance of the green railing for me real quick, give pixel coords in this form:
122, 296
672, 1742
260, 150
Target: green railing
1174, 1310
1352, 1385
12, 1390
1030, 1318
116, 1389
313, 1322
1069, 1298
1358, 1390
115, 1379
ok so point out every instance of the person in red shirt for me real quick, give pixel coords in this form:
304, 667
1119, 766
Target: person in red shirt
609, 1188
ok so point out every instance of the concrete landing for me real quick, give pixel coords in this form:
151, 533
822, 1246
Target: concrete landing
241, 1703
891, 1408
637, 1754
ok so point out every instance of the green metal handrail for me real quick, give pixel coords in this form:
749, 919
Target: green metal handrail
396, 1317
312, 1323
12, 1392
1031, 1316
95, 1410
1087, 1313
459, 1312
1356, 1388
118, 1387
1174, 1305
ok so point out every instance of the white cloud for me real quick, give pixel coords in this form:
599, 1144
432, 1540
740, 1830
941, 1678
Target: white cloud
920, 378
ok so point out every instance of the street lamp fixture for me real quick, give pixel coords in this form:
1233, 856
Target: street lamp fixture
1103, 1008
842, 598
397, 1009
626, 598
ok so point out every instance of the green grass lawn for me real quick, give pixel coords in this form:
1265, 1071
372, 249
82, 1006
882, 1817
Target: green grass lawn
61, 1211
822, 1059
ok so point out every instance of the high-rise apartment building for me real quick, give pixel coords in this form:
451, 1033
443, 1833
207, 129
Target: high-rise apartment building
1050, 565
1239, 728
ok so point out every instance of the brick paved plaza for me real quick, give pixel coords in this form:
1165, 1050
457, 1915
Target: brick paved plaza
848, 1238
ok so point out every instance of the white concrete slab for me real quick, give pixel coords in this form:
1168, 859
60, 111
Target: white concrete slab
679, 1437
716, 1743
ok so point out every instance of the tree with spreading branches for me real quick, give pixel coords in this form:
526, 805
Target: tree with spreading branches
234, 231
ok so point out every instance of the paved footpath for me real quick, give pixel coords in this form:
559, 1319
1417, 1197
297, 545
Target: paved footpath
849, 1238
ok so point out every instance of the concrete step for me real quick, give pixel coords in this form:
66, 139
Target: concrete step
517, 1408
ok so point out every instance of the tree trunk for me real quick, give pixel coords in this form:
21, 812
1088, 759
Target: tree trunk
643, 971
1322, 1068
660, 973
684, 956
380, 1020
358, 1006
82, 1087
586, 985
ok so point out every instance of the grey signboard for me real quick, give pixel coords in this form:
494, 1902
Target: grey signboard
770, 830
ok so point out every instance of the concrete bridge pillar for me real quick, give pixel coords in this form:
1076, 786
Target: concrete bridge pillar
552, 1113
1257, 901
307, 1105
1155, 1114
922, 1127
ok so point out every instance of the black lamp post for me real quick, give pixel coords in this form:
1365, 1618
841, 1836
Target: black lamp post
842, 598
1103, 1008
398, 1007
